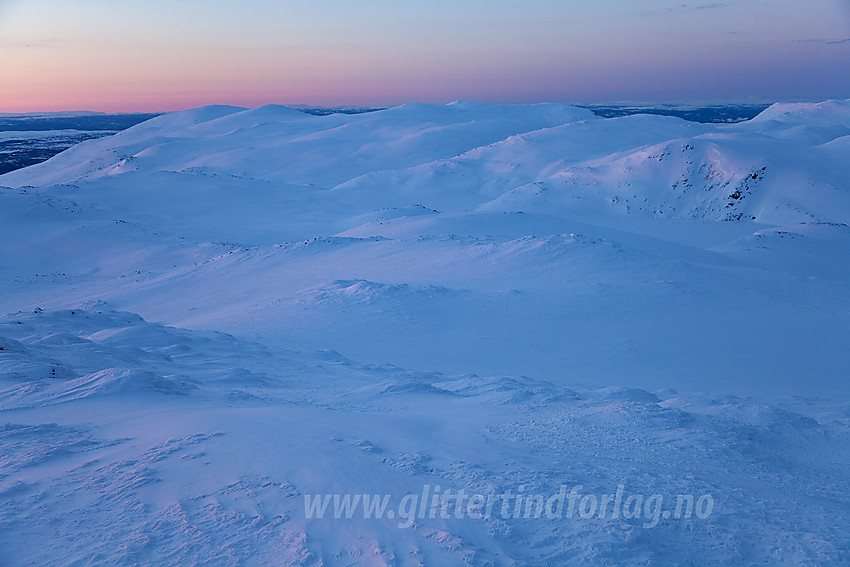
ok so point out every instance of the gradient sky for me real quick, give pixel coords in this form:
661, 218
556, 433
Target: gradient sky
122, 55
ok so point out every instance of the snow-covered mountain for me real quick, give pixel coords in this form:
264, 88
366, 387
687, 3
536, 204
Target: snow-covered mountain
217, 312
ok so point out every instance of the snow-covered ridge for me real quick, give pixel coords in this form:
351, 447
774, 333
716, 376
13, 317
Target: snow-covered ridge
496, 156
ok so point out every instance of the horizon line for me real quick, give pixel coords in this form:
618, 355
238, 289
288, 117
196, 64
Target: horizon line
301, 106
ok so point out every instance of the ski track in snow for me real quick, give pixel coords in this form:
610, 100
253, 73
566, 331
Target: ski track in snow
218, 312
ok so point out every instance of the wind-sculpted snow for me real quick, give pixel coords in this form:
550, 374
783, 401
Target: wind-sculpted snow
217, 314
216, 473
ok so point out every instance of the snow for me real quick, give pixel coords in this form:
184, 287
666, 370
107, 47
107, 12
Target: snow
218, 312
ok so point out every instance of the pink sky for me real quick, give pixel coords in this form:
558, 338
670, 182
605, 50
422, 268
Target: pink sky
117, 56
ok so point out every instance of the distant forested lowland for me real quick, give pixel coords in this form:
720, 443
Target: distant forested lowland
27, 139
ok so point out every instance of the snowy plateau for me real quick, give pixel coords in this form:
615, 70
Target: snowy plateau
219, 315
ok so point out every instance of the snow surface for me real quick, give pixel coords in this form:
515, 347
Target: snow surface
217, 312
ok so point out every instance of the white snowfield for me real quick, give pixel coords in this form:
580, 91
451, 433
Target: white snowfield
221, 318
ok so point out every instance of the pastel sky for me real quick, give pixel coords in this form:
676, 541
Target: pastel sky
123, 55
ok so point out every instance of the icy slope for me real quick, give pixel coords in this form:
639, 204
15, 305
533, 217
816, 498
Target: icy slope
220, 311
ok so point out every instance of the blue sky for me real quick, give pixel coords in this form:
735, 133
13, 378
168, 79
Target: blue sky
162, 55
